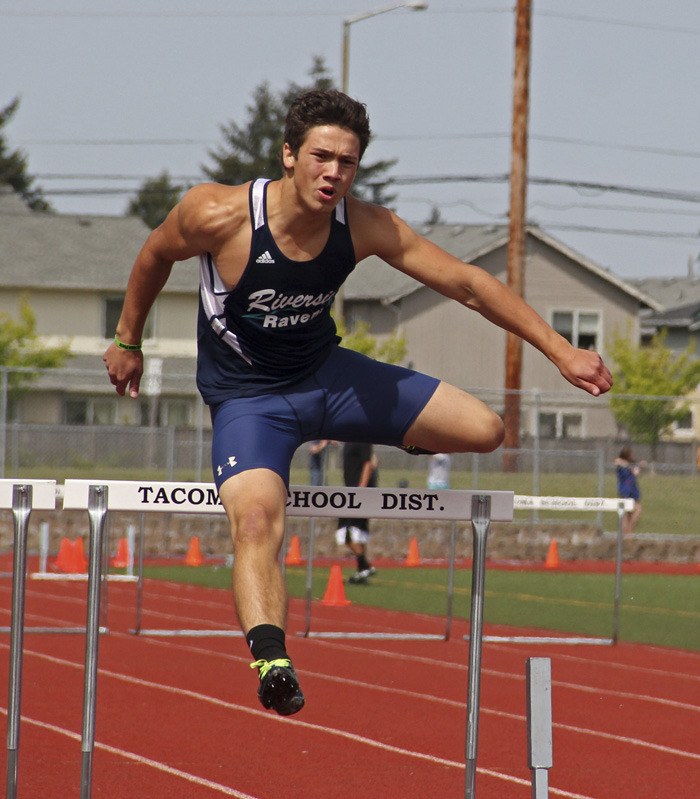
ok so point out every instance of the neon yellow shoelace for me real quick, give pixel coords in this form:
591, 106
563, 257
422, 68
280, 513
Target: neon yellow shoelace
265, 665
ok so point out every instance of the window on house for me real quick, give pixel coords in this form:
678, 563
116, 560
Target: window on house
685, 421
547, 424
112, 311
166, 413
75, 411
88, 411
580, 328
177, 413
571, 425
560, 425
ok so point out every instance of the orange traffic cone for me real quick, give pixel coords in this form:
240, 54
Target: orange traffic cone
335, 590
80, 563
64, 559
413, 558
194, 553
121, 561
552, 560
293, 557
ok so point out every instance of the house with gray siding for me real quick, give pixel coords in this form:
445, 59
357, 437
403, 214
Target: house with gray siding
73, 269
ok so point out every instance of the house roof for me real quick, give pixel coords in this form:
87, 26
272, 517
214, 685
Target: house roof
79, 251
374, 279
680, 316
671, 291
70, 251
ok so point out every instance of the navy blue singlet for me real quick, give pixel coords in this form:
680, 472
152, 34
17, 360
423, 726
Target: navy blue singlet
274, 328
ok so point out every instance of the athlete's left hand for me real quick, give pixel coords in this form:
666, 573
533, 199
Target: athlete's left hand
585, 369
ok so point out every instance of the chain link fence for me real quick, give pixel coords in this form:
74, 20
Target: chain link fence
568, 443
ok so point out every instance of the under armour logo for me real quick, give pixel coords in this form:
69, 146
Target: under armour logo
231, 461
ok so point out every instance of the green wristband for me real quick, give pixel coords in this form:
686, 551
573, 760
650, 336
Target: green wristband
128, 347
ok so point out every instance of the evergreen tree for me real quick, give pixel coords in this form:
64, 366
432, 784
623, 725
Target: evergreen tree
254, 149
13, 167
155, 199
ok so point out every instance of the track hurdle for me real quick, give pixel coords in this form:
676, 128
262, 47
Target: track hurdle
393, 503
100, 497
597, 504
21, 496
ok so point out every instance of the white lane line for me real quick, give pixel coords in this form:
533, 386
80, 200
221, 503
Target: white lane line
144, 761
598, 691
352, 736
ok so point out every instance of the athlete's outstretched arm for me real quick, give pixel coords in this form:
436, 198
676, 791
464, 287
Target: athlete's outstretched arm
377, 231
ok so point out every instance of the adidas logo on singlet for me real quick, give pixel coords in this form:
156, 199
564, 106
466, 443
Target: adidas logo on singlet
265, 258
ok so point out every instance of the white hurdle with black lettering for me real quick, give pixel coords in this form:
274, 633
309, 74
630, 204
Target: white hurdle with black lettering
21, 496
576, 504
99, 497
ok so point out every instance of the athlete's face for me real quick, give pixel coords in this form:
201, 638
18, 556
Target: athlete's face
325, 166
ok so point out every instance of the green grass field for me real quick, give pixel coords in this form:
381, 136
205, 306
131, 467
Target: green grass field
671, 503
655, 609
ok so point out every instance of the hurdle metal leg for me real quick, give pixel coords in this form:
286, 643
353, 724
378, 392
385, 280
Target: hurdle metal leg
309, 576
21, 508
618, 573
481, 521
450, 581
139, 578
539, 724
97, 509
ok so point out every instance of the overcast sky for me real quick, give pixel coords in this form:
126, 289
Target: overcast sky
116, 92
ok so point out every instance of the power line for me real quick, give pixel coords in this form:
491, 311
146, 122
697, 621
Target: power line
406, 180
652, 234
624, 23
486, 136
581, 185
558, 206
277, 13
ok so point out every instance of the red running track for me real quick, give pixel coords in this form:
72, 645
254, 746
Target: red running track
178, 717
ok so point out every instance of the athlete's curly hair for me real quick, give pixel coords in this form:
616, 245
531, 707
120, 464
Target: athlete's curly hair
329, 107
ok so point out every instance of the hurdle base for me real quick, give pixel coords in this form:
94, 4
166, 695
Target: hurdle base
54, 630
111, 578
189, 633
535, 639
540, 783
380, 636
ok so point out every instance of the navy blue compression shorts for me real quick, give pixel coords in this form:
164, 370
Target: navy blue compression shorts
350, 398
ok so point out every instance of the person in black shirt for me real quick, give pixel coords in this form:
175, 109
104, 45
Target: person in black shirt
359, 469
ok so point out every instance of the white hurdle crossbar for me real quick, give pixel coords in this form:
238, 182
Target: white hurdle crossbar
99, 497
21, 496
598, 504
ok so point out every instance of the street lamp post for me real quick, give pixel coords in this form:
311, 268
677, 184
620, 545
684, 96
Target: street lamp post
413, 5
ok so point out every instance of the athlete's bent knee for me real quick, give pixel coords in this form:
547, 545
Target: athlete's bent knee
491, 434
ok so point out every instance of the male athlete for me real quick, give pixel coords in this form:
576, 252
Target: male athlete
273, 254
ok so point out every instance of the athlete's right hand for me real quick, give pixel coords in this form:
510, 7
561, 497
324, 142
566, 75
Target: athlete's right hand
124, 368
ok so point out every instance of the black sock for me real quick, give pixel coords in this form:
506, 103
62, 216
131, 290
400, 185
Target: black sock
362, 563
267, 642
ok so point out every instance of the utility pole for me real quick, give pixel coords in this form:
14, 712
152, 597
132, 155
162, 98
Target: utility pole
516, 229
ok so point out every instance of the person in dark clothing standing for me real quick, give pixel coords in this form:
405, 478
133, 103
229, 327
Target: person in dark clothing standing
627, 470
359, 470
